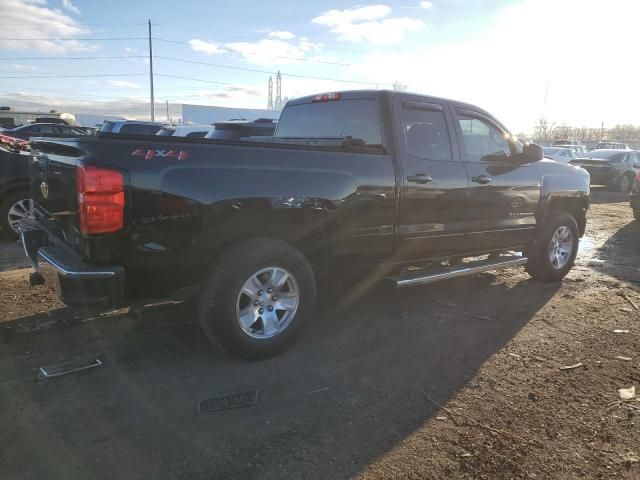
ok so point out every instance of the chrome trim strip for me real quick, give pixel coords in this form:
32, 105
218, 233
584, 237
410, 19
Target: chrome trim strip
458, 272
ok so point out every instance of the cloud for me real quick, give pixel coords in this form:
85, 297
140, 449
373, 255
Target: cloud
67, 5
266, 51
426, 4
122, 84
509, 78
33, 19
20, 67
369, 23
131, 50
270, 51
210, 48
282, 35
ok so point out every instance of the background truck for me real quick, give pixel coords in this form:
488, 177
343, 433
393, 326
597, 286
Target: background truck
366, 181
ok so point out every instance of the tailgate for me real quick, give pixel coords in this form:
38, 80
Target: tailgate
52, 176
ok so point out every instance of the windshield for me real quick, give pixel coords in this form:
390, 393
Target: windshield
551, 151
358, 119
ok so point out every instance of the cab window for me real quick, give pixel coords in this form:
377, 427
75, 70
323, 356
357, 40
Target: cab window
483, 142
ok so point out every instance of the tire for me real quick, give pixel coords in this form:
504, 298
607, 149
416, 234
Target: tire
240, 282
623, 184
540, 265
13, 208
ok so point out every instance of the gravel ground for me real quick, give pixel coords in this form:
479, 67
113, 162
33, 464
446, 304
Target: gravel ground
460, 379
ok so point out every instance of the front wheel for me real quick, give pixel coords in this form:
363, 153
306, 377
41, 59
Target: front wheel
553, 253
257, 299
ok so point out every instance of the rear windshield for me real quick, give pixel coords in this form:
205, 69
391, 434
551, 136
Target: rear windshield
136, 129
358, 119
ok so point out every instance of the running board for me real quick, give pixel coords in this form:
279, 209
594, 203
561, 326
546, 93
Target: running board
423, 277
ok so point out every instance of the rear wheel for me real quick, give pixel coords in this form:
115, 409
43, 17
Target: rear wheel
623, 184
258, 298
553, 253
17, 206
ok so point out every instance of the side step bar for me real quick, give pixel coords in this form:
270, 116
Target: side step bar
423, 277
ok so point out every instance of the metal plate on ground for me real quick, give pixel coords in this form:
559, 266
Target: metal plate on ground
65, 368
227, 401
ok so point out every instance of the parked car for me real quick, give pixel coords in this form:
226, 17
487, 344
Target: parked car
193, 131
561, 154
131, 127
612, 146
56, 120
577, 145
15, 195
235, 129
362, 181
614, 168
634, 198
54, 130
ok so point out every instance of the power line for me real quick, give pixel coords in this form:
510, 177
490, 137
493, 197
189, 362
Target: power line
78, 25
73, 58
242, 38
192, 79
65, 39
77, 76
284, 57
267, 72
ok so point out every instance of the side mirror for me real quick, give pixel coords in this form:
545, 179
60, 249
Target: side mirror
532, 152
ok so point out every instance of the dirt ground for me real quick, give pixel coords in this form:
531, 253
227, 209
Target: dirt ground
457, 380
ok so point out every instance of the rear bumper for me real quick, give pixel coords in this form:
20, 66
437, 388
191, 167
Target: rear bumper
76, 282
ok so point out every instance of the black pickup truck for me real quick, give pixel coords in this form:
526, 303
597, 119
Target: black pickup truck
397, 186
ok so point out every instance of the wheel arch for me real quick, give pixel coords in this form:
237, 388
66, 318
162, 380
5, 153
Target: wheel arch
304, 229
13, 187
574, 204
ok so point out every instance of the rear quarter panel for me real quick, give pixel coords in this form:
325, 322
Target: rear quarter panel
188, 200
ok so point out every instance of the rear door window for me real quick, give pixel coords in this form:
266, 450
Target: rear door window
357, 118
426, 134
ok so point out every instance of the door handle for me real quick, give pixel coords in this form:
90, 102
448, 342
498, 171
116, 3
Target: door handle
419, 178
481, 179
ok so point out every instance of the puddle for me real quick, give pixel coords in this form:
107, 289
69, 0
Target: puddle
587, 247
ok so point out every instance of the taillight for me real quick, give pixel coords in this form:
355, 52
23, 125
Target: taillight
100, 200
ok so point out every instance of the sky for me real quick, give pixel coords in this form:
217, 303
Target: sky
572, 61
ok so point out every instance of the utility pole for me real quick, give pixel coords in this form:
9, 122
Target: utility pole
153, 108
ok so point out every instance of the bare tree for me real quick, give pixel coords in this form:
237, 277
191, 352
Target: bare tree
544, 129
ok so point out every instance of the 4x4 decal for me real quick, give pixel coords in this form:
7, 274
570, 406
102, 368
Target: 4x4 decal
150, 154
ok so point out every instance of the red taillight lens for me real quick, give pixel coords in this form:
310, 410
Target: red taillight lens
100, 200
